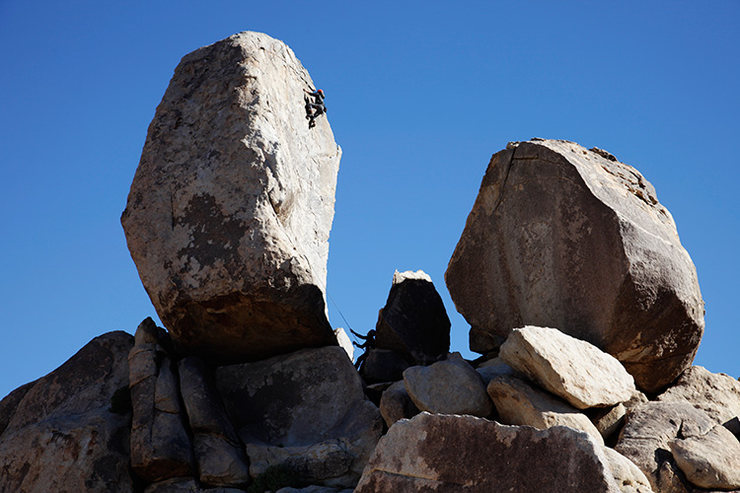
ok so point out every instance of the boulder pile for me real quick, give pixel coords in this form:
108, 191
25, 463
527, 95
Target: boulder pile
582, 302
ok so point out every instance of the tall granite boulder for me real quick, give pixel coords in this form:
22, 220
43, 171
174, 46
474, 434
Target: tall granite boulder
229, 212
414, 322
69, 430
561, 236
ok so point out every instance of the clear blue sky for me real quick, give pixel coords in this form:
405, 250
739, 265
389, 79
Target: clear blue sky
420, 95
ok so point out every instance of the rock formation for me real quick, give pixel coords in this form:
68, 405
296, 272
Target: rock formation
230, 209
250, 390
564, 237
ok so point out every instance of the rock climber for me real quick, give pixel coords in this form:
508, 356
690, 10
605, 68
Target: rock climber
314, 108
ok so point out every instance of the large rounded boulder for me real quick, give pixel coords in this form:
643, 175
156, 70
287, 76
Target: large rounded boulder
565, 237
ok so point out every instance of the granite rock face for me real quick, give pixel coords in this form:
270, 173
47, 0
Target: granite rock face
69, 430
573, 369
564, 237
414, 321
448, 453
229, 212
646, 436
711, 460
160, 445
309, 401
717, 394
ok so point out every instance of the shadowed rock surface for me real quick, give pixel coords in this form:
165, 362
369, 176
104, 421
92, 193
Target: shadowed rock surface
67, 432
564, 237
229, 212
414, 321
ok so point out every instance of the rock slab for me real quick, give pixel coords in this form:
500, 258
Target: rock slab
575, 370
447, 453
230, 209
69, 431
561, 236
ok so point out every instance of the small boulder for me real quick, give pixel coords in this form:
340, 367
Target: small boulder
448, 453
69, 430
711, 460
230, 209
717, 394
561, 236
451, 386
396, 404
414, 321
517, 403
494, 367
573, 369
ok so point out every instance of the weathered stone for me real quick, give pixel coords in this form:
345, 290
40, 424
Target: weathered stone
63, 433
414, 321
299, 400
313, 489
396, 404
649, 429
608, 420
328, 460
451, 386
717, 394
345, 343
626, 474
160, 446
562, 237
185, 485
517, 403
218, 450
447, 453
229, 212
711, 460
383, 365
10, 402
573, 369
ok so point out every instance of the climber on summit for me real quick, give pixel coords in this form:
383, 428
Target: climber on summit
315, 108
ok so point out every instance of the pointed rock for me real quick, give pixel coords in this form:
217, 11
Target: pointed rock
229, 212
561, 236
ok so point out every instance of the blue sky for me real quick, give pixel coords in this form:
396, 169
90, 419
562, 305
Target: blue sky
420, 94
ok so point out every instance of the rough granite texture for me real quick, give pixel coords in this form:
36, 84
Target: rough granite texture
561, 236
448, 453
229, 212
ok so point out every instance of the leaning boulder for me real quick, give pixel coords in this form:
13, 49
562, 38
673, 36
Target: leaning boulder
573, 369
448, 453
564, 237
414, 321
518, 403
69, 431
711, 460
229, 212
288, 407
